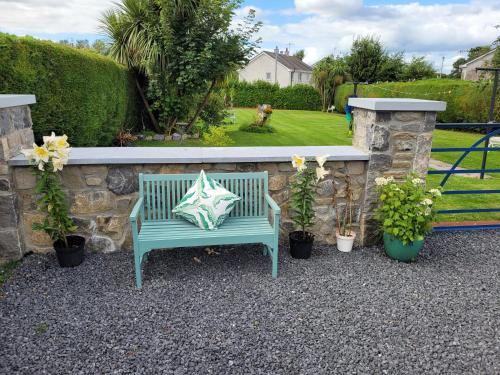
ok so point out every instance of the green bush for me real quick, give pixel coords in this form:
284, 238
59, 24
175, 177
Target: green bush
303, 97
253, 128
79, 93
467, 101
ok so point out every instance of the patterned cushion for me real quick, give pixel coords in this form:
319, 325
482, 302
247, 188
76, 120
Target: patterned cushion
206, 204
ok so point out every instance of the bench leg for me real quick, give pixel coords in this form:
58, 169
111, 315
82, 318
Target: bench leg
265, 250
138, 273
274, 255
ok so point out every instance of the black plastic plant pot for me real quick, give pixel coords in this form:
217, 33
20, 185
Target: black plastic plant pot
300, 246
71, 255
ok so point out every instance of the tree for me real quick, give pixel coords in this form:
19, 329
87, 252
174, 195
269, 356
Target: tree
475, 52
84, 43
100, 47
366, 58
418, 68
392, 68
455, 72
300, 54
181, 48
327, 74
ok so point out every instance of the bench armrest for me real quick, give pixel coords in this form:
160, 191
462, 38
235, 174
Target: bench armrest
137, 208
270, 201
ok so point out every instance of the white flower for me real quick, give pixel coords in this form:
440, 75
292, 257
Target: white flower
299, 162
47, 140
321, 160
426, 202
417, 181
435, 192
29, 154
381, 181
57, 164
321, 173
427, 211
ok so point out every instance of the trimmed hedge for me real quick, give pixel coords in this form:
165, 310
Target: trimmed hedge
467, 101
87, 96
303, 97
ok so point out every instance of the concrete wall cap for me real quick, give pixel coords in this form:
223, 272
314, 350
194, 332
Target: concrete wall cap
398, 104
193, 155
8, 100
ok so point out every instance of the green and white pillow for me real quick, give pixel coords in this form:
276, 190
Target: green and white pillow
206, 204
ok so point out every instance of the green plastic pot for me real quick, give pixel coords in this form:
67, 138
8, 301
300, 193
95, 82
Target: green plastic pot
395, 249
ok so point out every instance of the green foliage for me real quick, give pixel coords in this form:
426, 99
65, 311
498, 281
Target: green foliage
183, 48
300, 54
392, 68
253, 128
455, 72
405, 208
418, 68
303, 97
327, 74
7, 269
366, 58
214, 111
78, 92
467, 101
216, 137
51, 201
302, 199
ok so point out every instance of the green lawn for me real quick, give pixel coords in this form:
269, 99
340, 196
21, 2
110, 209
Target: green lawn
305, 128
293, 128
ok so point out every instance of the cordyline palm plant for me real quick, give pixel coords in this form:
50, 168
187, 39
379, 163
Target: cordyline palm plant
327, 74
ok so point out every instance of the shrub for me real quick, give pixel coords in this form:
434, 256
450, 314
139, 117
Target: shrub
253, 128
215, 111
466, 101
405, 208
303, 97
78, 92
216, 137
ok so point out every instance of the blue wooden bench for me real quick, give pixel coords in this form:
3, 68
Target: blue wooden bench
154, 226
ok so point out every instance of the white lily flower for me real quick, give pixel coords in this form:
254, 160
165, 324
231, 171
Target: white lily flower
321, 160
299, 162
321, 173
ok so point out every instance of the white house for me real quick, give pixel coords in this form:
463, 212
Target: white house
468, 69
276, 67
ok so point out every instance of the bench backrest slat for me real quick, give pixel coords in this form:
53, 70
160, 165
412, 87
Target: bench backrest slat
162, 192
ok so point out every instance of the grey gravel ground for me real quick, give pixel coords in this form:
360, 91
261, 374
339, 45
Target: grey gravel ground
335, 313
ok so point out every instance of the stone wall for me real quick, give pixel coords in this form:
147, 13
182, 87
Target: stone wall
15, 134
399, 142
101, 198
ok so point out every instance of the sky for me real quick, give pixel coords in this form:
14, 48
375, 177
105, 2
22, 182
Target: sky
430, 28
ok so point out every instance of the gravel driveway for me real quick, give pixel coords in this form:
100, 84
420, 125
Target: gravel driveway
335, 313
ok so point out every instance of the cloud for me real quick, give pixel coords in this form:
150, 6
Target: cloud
52, 16
430, 30
331, 7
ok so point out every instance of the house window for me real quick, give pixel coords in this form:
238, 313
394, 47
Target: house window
268, 76
300, 77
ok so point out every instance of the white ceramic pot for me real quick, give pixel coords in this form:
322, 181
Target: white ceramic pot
345, 243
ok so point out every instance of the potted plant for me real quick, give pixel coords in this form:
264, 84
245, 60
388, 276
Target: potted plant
48, 160
302, 198
406, 215
345, 234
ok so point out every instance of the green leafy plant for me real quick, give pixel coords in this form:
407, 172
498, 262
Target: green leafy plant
252, 128
304, 192
47, 161
405, 208
216, 137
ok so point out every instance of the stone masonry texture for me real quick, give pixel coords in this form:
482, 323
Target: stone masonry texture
15, 135
398, 143
101, 198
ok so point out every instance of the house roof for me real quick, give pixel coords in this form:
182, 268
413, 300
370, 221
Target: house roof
291, 62
478, 58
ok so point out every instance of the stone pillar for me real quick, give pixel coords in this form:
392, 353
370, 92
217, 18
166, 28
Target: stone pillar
15, 134
397, 135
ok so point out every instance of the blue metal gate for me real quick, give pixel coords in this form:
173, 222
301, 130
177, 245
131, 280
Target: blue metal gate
480, 146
